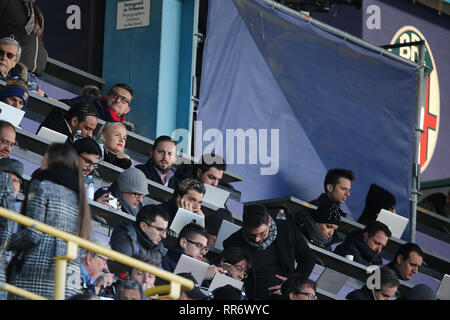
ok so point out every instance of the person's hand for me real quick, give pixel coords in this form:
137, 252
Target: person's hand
211, 240
277, 288
39, 91
185, 204
211, 271
105, 198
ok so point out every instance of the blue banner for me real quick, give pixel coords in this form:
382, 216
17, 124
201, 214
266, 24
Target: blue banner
298, 100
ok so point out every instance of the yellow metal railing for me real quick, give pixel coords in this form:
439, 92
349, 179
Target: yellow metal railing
173, 290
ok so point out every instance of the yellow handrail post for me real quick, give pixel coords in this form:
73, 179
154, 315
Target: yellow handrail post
60, 270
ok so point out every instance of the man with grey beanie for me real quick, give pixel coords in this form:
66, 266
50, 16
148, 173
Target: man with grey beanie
130, 189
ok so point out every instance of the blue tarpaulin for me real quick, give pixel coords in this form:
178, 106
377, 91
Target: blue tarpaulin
334, 102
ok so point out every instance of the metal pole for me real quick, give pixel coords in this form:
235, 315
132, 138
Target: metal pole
420, 96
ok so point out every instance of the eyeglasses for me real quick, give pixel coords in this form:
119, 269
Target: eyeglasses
89, 162
105, 259
240, 269
311, 296
160, 230
121, 98
7, 143
10, 55
199, 245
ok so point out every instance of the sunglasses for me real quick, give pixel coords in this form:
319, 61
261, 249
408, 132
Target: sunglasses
10, 55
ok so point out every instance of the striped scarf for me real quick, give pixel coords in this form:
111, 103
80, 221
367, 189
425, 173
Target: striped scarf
267, 242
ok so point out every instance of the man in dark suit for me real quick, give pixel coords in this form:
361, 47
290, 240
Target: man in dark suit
274, 247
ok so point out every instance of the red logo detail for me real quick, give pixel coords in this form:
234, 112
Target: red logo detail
429, 123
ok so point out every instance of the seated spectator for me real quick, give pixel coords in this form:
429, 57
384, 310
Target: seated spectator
145, 279
25, 21
130, 189
114, 136
11, 68
81, 117
144, 235
274, 247
236, 261
389, 284
130, 290
15, 169
113, 107
15, 94
210, 171
318, 226
299, 288
438, 203
187, 195
366, 245
407, 261
196, 293
228, 292
95, 276
192, 241
419, 292
377, 198
89, 154
158, 167
7, 138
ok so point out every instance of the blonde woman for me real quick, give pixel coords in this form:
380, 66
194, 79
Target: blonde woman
114, 135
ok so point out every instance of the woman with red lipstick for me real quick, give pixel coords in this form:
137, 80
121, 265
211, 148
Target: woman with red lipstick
114, 136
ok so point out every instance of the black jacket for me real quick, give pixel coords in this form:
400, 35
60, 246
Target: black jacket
129, 239
123, 163
290, 247
355, 245
170, 207
170, 260
361, 294
150, 172
55, 121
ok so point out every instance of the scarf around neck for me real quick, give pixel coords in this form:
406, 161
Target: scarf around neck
267, 242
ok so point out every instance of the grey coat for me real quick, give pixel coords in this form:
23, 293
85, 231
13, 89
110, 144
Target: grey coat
6, 201
56, 206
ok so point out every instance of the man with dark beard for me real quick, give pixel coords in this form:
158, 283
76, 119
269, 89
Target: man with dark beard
162, 157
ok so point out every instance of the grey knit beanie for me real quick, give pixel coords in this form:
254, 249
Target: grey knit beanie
132, 180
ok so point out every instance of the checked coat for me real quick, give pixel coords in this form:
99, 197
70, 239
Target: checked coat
6, 201
56, 206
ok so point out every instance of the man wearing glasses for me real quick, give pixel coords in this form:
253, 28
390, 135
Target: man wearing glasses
143, 236
7, 138
192, 241
89, 154
274, 246
116, 104
10, 52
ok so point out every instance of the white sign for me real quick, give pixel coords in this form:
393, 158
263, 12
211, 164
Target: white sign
133, 14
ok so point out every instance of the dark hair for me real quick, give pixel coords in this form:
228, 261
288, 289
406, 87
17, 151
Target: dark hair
163, 139
406, 248
81, 111
388, 278
130, 284
91, 91
63, 155
83, 296
233, 255
373, 227
6, 124
211, 160
148, 213
295, 283
254, 216
87, 145
333, 176
189, 184
191, 230
123, 86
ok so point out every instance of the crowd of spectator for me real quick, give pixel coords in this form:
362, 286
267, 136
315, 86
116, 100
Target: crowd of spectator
270, 256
